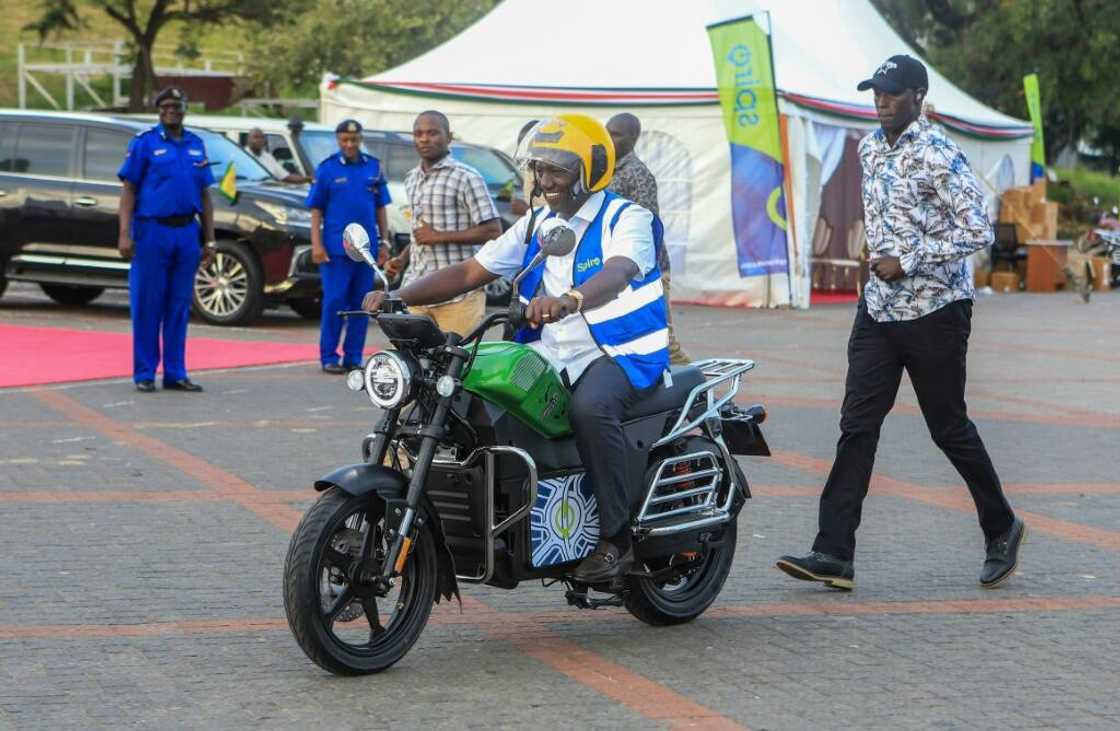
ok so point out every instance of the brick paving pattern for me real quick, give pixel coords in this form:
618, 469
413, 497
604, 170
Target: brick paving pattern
143, 541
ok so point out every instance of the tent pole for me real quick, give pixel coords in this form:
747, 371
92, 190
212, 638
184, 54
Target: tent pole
783, 134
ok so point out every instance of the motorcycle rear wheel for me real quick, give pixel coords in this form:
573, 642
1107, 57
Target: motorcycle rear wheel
667, 603
337, 621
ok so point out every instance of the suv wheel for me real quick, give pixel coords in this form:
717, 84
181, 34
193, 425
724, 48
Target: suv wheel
498, 292
228, 290
71, 295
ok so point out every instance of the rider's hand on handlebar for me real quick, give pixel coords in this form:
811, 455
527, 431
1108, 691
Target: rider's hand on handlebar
543, 310
373, 300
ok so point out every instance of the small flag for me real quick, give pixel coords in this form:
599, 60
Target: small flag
227, 186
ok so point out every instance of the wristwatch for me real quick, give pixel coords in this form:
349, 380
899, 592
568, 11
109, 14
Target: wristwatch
577, 296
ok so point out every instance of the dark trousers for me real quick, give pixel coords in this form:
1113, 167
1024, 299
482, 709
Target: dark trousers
600, 397
932, 349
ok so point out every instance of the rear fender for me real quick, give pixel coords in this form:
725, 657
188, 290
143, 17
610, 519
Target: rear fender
389, 485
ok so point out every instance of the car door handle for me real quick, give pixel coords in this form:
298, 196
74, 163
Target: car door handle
3, 193
85, 202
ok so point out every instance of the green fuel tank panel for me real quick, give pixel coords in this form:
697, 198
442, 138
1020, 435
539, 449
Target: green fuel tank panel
521, 381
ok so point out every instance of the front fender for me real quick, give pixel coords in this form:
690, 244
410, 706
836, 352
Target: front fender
388, 484
363, 478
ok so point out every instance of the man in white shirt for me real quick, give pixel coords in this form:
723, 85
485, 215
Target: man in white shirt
256, 144
597, 314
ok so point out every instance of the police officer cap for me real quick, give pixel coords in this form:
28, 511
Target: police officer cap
348, 125
174, 93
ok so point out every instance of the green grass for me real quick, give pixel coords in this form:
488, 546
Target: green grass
1088, 183
100, 28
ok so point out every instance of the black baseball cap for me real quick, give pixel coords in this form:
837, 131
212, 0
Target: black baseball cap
348, 125
172, 92
897, 74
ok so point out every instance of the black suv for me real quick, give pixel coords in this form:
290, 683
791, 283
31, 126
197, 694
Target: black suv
59, 196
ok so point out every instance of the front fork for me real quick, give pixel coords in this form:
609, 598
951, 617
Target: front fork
431, 435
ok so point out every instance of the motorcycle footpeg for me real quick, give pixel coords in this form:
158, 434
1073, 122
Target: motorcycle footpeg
579, 598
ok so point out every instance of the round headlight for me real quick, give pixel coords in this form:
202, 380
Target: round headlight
445, 386
388, 379
356, 380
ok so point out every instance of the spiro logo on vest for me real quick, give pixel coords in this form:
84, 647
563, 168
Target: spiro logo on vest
586, 264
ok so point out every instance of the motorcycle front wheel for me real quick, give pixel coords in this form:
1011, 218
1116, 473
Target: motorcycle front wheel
337, 616
686, 597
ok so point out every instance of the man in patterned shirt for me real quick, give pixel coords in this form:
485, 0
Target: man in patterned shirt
633, 180
924, 214
452, 213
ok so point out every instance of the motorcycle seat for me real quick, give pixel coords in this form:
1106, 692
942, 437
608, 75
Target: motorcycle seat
685, 378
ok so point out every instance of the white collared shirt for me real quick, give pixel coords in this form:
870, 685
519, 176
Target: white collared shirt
568, 344
270, 163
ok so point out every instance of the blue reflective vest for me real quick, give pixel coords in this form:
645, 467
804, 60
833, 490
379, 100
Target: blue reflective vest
632, 328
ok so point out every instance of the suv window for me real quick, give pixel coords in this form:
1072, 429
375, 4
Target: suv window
105, 151
278, 146
44, 149
495, 169
399, 161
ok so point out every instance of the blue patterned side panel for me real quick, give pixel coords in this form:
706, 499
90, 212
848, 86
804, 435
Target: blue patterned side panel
564, 522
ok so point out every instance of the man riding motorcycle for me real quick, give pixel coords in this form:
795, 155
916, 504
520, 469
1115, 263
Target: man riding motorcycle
597, 315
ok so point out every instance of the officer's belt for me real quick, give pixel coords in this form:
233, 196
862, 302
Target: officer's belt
176, 221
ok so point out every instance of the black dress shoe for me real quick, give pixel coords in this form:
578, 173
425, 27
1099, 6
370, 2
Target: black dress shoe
334, 369
606, 563
146, 386
1003, 556
184, 385
814, 566
352, 366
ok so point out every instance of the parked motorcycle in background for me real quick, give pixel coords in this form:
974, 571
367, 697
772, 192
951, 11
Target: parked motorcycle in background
472, 475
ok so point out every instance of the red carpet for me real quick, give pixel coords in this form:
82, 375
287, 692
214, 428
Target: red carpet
820, 297
32, 356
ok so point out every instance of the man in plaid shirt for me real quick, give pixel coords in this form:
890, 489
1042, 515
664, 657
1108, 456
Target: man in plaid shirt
452, 214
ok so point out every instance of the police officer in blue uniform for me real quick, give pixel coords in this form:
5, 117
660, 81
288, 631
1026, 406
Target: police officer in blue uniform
166, 176
349, 188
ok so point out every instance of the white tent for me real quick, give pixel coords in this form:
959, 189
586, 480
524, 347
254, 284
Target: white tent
525, 60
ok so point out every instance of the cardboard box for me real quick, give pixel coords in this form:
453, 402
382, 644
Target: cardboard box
1017, 197
1044, 220
1036, 193
1005, 281
1009, 212
1026, 231
980, 277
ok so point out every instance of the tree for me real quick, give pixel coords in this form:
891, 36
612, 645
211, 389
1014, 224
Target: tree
144, 19
987, 46
354, 38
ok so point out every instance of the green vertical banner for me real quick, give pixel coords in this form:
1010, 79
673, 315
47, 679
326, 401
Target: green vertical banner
1034, 106
745, 80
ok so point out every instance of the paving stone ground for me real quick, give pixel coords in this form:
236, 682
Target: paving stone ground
142, 541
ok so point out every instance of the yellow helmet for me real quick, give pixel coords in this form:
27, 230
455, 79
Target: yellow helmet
574, 142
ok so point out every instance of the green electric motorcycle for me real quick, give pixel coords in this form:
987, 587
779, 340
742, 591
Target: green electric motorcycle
472, 475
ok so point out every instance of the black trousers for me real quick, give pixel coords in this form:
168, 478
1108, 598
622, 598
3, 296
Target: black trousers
599, 399
932, 349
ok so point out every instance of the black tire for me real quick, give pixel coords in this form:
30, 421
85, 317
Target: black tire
230, 289
498, 292
683, 601
333, 518
69, 294
309, 308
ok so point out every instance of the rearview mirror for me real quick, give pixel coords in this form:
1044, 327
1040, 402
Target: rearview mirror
557, 237
355, 242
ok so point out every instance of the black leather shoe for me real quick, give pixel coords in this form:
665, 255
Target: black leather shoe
814, 566
146, 386
606, 563
1003, 556
334, 369
352, 366
184, 385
